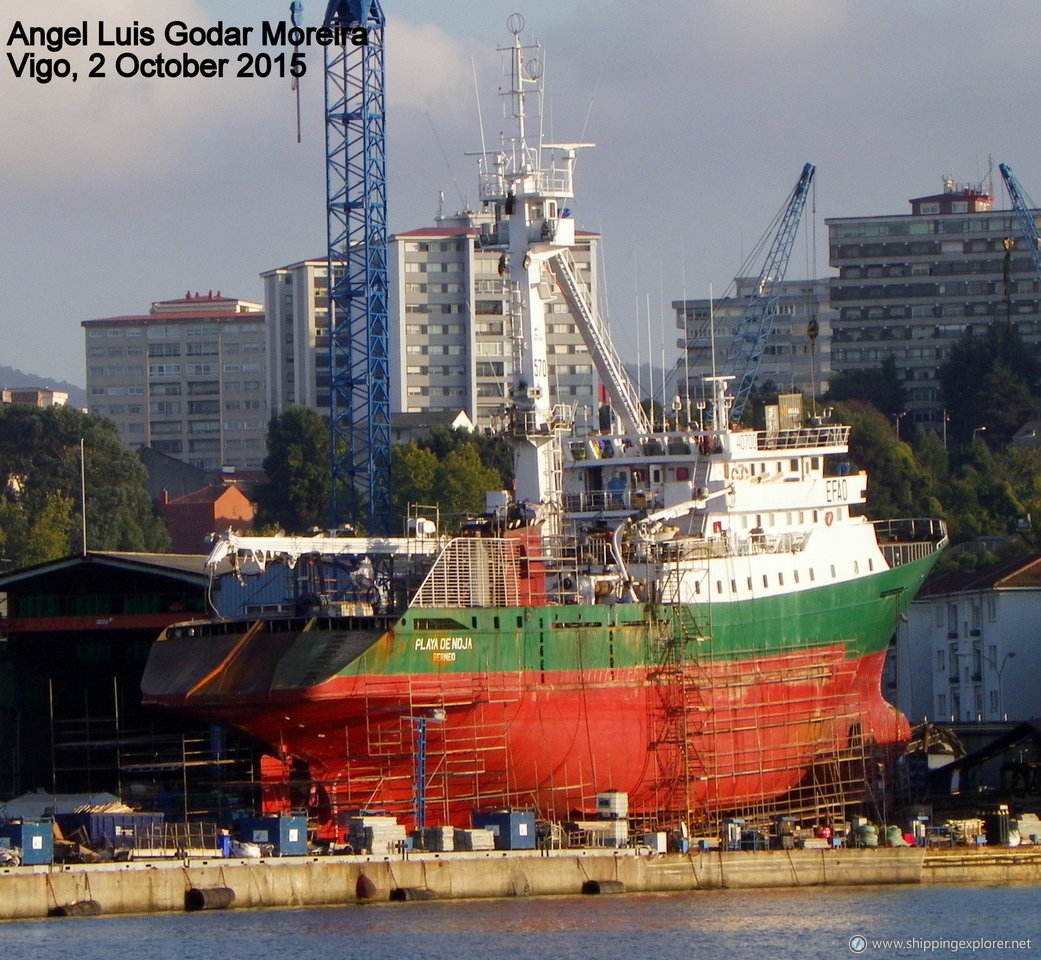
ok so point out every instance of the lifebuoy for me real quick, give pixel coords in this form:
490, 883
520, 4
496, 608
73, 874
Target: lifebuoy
828, 518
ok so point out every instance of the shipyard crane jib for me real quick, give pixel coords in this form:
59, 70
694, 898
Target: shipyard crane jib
753, 330
1023, 206
598, 342
356, 218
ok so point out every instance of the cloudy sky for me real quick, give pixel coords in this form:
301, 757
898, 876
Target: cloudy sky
115, 192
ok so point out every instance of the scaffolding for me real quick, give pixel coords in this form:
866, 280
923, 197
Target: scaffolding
719, 725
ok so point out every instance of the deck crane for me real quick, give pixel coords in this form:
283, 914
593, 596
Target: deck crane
356, 217
753, 330
1023, 206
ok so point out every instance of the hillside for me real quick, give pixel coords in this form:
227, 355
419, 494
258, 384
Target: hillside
10, 377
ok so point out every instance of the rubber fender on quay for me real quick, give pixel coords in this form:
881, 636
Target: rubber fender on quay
208, 898
603, 886
81, 908
365, 888
412, 893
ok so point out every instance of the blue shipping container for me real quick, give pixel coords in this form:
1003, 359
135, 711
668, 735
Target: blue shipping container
34, 837
512, 829
288, 835
116, 831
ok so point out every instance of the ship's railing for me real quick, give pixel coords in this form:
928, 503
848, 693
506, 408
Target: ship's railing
601, 501
704, 548
473, 572
494, 180
831, 435
909, 539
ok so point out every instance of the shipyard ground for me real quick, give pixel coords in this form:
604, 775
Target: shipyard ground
140, 886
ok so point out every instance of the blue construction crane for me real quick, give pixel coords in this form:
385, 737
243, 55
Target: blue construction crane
1023, 207
753, 330
356, 216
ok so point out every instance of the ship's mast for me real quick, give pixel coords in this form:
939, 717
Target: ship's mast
528, 184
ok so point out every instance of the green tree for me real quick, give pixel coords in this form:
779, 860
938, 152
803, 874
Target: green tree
462, 481
897, 486
493, 452
413, 471
455, 481
991, 380
1020, 467
879, 386
298, 478
40, 492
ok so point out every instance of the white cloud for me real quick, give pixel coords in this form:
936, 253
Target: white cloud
112, 127
429, 70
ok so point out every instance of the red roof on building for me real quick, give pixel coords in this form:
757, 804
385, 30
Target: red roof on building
1018, 572
218, 313
209, 494
441, 232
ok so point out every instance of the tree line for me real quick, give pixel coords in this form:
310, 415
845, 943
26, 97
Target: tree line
966, 471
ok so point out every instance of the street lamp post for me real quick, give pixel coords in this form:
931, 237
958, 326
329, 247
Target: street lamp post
896, 422
1001, 670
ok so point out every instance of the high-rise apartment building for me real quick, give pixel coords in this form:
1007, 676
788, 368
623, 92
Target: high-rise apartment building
909, 285
187, 379
451, 331
792, 359
296, 303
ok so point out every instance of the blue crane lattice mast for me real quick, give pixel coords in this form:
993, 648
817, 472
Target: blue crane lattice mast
753, 330
356, 213
1023, 207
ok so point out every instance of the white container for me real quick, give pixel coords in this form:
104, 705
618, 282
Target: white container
612, 805
617, 833
656, 841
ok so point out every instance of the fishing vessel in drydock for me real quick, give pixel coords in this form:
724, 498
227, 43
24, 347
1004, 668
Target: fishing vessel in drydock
696, 616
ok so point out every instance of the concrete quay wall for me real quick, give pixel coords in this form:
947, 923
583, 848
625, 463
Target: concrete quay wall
158, 886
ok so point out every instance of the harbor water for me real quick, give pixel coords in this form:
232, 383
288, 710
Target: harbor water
820, 923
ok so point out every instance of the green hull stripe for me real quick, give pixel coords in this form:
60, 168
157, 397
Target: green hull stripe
860, 614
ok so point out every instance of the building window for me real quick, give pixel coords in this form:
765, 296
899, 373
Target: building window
164, 369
